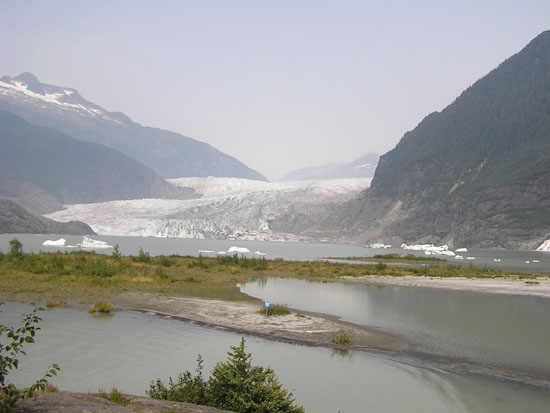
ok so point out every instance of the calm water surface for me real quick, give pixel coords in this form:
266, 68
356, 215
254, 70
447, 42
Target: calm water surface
510, 260
502, 330
130, 349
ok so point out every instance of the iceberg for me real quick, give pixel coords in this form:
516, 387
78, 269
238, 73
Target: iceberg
91, 244
497, 260
205, 252
262, 254
378, 245
429, 249
459, 257
535, 261
55, 243
470, 258
238, 249
461, 250
221, 252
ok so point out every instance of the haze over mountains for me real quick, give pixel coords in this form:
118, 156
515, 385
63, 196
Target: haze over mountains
363, 167
169, 154
477, 173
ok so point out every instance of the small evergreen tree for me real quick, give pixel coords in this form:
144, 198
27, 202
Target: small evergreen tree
234, 385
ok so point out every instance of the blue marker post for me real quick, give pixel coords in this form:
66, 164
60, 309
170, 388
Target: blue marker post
266, 305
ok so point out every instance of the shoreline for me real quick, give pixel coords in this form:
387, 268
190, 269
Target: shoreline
315, 330
539, 287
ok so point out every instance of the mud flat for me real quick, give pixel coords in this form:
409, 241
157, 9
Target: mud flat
539, 287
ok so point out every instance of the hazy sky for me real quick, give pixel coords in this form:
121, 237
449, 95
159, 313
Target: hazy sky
278, 84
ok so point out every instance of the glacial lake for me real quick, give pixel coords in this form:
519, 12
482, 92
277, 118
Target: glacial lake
129, 349
509, 260
498, 330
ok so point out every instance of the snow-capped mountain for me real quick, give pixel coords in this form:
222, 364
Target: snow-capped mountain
169, 154
229, 208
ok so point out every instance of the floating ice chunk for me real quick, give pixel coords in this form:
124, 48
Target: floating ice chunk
90, 243
55, 243
205, 252
378, 245
470, 258
535, 261
221, 253
442, 250
238, 249
527, 262
461, 250
260, 253
459, 257
497, 260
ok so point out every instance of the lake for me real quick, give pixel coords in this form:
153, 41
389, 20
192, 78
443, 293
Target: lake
130, 349
510, 260
502, 330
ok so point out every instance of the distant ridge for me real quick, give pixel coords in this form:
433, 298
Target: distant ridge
476, 174
15, 220
363, 167
170, 154
41, 168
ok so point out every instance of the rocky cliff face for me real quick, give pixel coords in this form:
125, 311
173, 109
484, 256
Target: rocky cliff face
476, 174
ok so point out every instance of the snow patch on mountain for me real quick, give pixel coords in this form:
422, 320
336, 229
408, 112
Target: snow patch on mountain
230, 208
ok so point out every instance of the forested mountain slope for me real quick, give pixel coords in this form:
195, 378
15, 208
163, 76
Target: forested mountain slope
477, 173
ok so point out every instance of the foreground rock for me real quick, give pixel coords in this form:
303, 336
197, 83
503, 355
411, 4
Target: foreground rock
88, 403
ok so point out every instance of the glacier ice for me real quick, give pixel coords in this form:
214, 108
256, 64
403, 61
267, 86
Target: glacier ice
55, 243
229, 208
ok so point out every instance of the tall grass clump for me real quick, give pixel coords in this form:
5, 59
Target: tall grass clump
275, 310
101, 307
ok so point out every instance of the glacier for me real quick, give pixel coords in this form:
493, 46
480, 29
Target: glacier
229, 208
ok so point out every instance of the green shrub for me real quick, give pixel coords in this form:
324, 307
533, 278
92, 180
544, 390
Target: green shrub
164, 261
234, 385
142, 256
9, 352
95, 267
342, 337
16, 250
117, 256
101, 307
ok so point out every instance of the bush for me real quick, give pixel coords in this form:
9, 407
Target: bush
142, 256
342, 337
16, 339
101, 307
235, 385
95, 267
16, 249
116, 253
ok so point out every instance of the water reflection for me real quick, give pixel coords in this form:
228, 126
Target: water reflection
507, 331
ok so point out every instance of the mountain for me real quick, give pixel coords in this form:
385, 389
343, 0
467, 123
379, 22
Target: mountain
363, 167
45, 168
15, 220
170, 154
476, 174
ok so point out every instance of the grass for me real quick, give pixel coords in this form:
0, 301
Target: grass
275, 310
342, 337
101, 307
114, 396
89, 277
